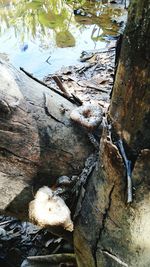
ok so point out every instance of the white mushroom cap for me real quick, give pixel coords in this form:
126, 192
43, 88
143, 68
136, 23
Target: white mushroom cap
48, 209
89, 116
43, 194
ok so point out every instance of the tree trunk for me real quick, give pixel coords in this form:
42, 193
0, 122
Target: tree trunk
108, 231
38, 141
129, 111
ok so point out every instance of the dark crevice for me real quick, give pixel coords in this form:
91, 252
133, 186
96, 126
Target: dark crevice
48, 113
33, 104
129, 158
114, 222
21, 108
66, 152
5, 151
83, 181
104, 219
130, 154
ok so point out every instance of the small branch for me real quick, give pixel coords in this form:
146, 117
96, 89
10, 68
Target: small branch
97, 88
41, 82
77, 100
37, 80
62, 88
85, 67
60, 85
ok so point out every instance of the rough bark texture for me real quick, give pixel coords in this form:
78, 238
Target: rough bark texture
130, 110
38, 141
109, 232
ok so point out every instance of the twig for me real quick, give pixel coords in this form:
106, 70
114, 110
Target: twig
85, 67
60, 85
54, 90
62, 88
77, 100
97, 88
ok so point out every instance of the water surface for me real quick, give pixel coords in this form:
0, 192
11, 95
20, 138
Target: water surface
43, 35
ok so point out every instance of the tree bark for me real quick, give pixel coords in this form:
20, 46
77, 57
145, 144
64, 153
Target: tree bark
108, 231
129, 111
38, 141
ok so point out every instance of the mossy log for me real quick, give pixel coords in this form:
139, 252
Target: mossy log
108, 231
38, 141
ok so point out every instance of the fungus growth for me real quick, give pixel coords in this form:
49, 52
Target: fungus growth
48, 209
88, 116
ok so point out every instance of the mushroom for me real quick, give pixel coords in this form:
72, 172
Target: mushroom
48, 209
88, 116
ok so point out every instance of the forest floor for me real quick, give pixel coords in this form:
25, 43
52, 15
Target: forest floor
92, 81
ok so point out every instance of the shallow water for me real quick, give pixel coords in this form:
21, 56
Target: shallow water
42, 36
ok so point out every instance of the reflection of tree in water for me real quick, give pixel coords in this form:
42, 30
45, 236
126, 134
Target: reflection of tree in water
50, 19
36, 19
100, 14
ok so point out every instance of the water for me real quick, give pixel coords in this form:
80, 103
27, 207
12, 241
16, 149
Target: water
42, 36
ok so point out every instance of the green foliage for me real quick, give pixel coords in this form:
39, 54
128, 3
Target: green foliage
34, 17
79, 2
41, 19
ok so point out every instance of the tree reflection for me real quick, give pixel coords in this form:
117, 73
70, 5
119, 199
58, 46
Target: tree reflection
37, 19
49, 20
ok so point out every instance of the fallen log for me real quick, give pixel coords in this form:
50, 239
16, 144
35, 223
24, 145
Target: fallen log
38, 141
